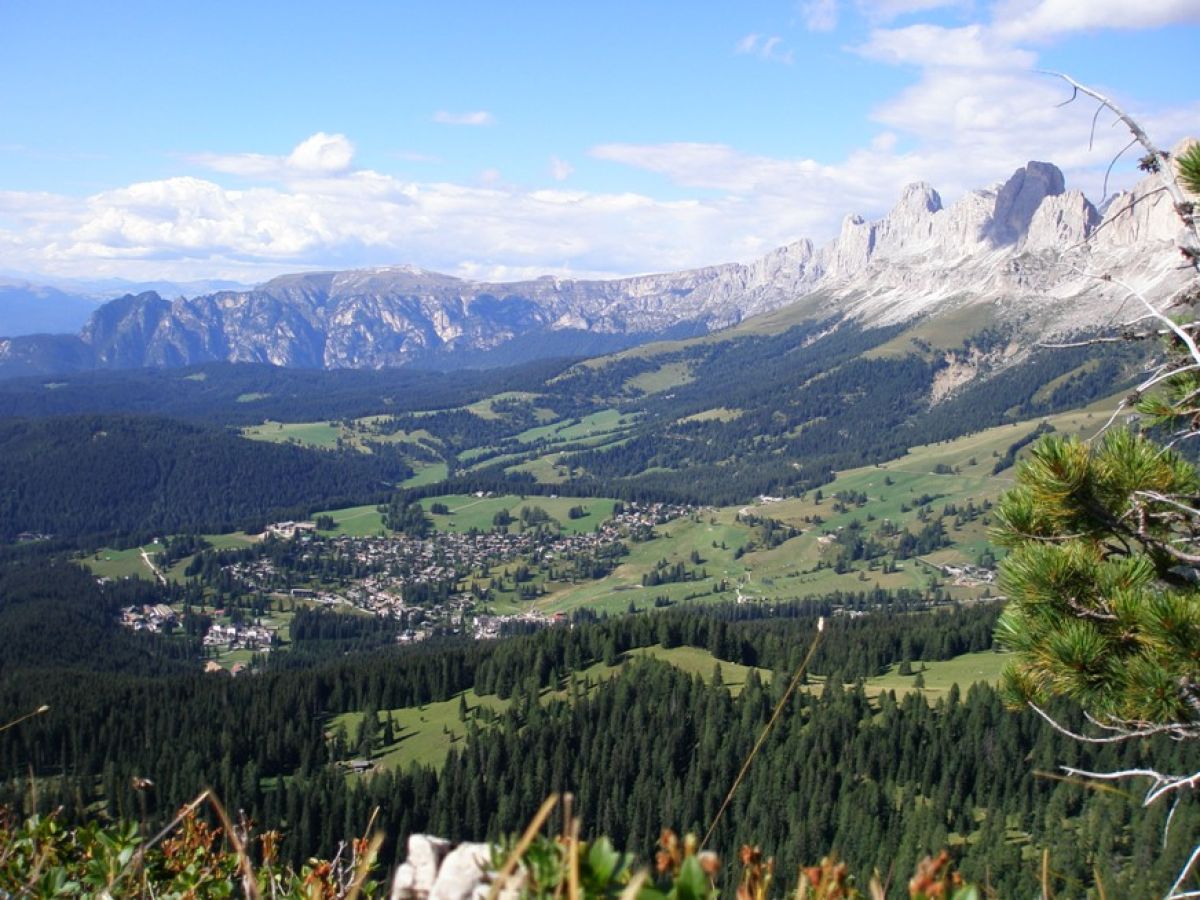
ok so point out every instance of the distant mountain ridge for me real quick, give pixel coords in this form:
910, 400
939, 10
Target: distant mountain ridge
30, 306
1029, 250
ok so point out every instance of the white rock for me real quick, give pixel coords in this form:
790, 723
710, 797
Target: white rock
462, 871
1019, 199
425, 855
404, 883
1062, 221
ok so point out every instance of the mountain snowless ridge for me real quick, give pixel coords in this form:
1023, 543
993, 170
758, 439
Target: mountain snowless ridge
1030, 251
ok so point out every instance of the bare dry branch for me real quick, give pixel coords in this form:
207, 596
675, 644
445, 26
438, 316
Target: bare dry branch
1166, 169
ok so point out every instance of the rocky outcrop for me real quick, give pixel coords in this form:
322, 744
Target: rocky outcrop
1019, 199
434, 871
1011, 250
1061, 222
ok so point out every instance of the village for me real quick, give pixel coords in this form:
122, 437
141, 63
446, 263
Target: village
417, 581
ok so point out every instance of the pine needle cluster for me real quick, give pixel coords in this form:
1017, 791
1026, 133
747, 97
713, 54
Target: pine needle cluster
1102, 581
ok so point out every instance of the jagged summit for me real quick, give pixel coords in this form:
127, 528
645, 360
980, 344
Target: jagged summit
1010, 248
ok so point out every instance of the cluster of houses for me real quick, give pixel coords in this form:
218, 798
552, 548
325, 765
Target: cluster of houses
389, 568
240, 637
489, 627
159, 618
288, 530
153, 617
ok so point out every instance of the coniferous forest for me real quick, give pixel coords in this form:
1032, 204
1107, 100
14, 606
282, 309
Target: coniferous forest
881, 781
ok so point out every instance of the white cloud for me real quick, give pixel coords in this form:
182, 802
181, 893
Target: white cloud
1039, 19
768, 48
819, 15
560, 169
932, 45
972, 114
319, 155
884, 141
322, 154
477, 118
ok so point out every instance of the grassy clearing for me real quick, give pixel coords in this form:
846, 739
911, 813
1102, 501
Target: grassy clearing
545, 469
356, 521
109, 563
323, 435
485, 408
603, 422
944, 331
719, 414
663, 378
941, 675
116, 564
231, 541
1044, 393
358, 434
695, 661
426, 473
424, 734
677, 540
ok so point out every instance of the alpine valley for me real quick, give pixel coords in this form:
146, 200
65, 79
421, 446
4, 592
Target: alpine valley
390, 550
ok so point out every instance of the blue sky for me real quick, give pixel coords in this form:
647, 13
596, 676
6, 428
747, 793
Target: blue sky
164, 140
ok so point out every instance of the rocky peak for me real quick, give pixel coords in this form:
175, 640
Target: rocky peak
1061, 221
1019, 198
911, 223
917, 198
853, 248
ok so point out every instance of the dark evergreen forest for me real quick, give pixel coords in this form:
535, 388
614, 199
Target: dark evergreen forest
878, 781
130, 478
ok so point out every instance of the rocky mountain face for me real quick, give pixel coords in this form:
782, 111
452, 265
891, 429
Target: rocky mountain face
1028, 251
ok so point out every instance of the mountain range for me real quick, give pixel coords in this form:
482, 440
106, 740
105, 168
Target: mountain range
1027, 252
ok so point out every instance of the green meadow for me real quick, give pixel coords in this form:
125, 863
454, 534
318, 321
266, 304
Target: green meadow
425, 734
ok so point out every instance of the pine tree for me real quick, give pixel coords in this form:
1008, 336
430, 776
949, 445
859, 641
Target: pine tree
1104, 539
1104, 562
1100, 610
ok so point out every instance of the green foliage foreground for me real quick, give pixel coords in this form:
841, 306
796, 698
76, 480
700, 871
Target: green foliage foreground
40, 857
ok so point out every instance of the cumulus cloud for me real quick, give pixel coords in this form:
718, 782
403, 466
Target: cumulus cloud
319, 155
322, 154
968, 47
769, 48
476, 118
973, 113
1021, 20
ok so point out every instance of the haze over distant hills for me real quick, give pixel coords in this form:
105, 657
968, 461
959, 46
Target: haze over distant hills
1028, 250
28, 305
